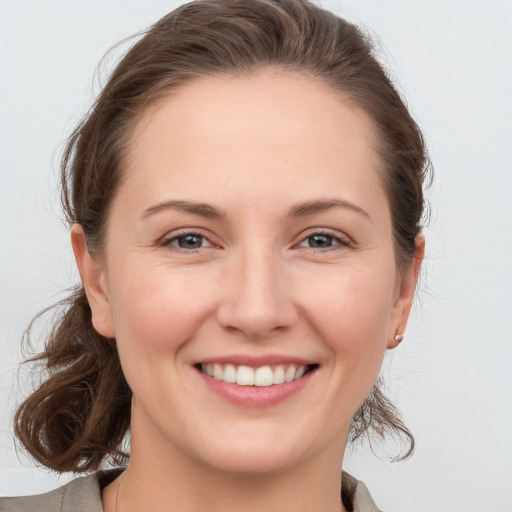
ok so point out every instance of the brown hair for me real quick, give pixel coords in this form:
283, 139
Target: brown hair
80, 414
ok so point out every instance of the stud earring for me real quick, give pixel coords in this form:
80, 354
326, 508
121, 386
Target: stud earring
399, 337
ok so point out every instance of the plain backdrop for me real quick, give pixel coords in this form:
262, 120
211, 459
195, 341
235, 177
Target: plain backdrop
451, 377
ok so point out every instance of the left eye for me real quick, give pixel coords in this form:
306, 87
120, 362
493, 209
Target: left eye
188, 241
321, 241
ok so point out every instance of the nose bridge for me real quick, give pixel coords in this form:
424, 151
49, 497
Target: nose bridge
254, 299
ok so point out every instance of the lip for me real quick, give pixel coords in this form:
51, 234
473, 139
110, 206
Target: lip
256, 361
256, 396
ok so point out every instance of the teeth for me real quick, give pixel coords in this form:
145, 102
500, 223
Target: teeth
300, 372
263, 376
247, 376
229, 373
217, 372
279, 375
290, 373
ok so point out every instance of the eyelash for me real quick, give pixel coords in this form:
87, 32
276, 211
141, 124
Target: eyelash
338, 241
168, 242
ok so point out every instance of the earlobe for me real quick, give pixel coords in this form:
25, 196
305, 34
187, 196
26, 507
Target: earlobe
92, 274
403, 303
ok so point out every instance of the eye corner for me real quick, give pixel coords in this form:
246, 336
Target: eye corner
323, 240
197, 241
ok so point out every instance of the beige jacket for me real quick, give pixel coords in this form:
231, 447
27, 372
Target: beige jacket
83, 495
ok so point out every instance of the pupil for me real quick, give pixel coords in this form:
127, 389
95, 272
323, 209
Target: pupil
320, 241
190, 242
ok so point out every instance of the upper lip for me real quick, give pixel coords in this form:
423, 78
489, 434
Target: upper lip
256, 361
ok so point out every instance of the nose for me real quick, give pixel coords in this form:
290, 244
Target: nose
256, 298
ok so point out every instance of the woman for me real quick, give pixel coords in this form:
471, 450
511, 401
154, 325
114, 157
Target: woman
245, 199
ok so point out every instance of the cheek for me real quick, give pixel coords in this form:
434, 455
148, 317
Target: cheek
354, 299
155, 310
352, 311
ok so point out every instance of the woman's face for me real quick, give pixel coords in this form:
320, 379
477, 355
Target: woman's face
250, 238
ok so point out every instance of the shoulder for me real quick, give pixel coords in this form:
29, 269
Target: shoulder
83, 495
356, 496
80, 495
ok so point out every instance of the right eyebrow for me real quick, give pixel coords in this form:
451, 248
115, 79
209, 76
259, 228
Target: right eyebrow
312, 207
201, 209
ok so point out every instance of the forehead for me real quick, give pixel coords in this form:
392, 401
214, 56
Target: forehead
265, 134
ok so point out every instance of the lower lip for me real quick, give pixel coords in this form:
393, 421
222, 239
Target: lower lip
255, 396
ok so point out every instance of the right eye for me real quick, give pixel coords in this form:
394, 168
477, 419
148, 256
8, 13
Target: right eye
320, 241
187, 242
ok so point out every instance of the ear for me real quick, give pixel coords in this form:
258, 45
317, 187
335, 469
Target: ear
405, 293
92, 274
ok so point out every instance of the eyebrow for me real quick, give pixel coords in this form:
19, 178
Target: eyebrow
202, 209
299, 210
312, 207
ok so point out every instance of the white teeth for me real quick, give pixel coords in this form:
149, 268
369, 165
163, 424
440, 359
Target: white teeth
264, 376
247, 376
290, 373
300, 372
279, 375
229, 373
217, 371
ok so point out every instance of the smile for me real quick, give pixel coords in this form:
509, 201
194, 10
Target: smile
262, 376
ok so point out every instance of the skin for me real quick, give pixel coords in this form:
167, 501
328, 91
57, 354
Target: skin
253, 148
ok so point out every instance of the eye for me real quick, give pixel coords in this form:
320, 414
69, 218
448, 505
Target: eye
323, 241
187, 242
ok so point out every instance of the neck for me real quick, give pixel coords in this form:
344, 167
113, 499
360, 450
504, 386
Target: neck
157, 477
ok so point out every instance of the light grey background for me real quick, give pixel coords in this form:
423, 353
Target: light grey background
451, 377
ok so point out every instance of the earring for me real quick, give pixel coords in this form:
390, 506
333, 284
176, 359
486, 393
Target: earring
399, 337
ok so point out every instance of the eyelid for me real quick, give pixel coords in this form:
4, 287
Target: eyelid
166, 241
343, 239
168, 238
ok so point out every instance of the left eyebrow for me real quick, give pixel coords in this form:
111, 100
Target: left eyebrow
201, 209
312, 207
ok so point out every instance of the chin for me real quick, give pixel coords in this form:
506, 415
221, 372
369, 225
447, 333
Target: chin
264, 448
252, 460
